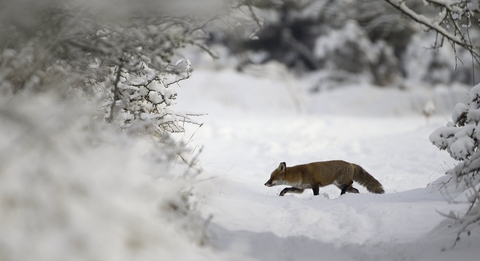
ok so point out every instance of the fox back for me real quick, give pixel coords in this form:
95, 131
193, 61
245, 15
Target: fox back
324, 173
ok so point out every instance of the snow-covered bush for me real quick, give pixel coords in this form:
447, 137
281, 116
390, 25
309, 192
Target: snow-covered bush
461, 138
375, 60
338, 46
132, 63
74, 186
352, 37
289, 31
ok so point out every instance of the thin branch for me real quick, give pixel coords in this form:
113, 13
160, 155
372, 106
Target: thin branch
469, 219
116, 95
473, 64
205, 48
300, 48
254, 16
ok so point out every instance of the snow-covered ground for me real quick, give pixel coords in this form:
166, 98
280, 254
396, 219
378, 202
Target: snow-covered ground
254, 123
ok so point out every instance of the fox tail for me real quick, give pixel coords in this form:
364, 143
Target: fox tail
365, 179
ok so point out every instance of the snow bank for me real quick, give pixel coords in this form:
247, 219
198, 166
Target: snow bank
272, 90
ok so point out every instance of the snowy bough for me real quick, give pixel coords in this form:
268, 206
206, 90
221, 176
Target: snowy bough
453, 23
461, 138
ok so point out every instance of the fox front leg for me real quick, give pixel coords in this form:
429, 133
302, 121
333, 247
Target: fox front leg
291, 190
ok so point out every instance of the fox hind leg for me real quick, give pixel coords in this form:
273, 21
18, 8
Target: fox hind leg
347, 188
291, 190
352, 190
315, 189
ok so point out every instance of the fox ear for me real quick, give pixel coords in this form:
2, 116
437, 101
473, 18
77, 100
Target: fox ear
282, 166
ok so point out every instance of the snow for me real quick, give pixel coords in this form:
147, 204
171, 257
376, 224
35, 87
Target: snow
475, 92
462, 147
254, 123
458, 110
72, 188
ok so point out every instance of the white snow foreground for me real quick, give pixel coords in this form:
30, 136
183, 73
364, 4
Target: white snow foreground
72, 190
253, 124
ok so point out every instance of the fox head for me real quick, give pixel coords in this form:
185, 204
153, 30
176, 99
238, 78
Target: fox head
278, 176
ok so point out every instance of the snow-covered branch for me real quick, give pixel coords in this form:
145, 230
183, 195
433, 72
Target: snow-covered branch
453, 23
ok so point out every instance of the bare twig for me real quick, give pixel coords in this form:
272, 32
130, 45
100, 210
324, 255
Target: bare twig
254, 16
300, 48
116, 95
468, 220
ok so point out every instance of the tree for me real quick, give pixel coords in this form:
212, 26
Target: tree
461, 138
454, 22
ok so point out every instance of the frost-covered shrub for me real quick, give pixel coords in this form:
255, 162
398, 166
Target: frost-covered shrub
461, 138
145, 98
350, 50
338, 47
346, 38
132, 63
75, 188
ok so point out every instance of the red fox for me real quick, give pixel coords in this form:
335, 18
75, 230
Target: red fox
319, 174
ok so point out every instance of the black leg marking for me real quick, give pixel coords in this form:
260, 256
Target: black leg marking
315, 189
346, 188
290, 190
